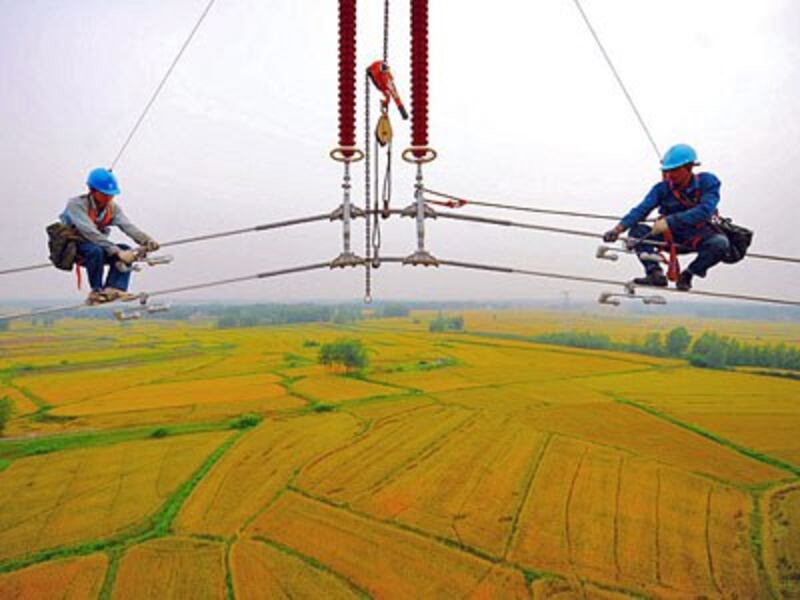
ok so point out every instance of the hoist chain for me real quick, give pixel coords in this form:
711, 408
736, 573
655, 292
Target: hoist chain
386, 31
367, 191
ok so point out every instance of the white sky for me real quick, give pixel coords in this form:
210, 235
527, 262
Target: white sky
523, 110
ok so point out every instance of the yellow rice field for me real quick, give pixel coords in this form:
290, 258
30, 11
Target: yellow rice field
179, 460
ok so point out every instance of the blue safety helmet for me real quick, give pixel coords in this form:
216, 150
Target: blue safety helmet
677, 156
104, 181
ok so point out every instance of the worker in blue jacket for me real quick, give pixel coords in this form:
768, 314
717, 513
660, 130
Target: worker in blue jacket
687, 203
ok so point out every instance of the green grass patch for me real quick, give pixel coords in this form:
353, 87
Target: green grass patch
246, 421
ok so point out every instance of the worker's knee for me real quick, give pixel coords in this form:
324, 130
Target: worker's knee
91, 251
718, 245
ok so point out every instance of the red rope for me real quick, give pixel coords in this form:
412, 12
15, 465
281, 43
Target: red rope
347, 74
419, 75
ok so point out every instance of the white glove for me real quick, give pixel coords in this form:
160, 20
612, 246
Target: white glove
151, 245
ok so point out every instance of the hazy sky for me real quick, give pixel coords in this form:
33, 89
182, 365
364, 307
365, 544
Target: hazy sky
523, 110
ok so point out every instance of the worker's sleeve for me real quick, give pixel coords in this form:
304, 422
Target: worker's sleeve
705, 209
77, 215
124, 223
645, 207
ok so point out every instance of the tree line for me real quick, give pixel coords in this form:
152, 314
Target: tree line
709, 349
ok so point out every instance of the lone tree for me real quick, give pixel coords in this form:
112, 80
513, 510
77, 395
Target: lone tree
346, 352
5, 413
678, 341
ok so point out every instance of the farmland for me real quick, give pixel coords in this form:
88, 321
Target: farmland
178, 459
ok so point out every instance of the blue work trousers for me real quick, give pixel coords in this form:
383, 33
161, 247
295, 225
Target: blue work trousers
94, 259
710, 249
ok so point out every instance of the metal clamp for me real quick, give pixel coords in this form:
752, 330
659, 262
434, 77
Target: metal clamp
127, 315
615, 299
608, 253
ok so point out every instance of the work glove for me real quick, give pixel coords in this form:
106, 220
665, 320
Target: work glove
126, 256
612, 235
660, 226
151, 245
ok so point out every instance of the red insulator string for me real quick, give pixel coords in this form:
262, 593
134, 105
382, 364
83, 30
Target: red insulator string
419, 76
347, 75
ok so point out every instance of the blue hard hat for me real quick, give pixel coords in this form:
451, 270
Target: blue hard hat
677, 156
104, 181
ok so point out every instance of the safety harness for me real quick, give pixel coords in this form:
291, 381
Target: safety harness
673, 265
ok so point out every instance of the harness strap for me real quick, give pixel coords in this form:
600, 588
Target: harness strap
78, 278
673, 266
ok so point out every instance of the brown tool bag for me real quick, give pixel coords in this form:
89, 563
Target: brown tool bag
62, 240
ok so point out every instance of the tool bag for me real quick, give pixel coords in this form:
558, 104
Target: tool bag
62, 240
739, 239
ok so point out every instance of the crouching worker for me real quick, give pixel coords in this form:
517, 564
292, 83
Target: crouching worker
91, 217
687, 203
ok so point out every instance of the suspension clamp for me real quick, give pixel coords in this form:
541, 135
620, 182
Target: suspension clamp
421, 257
338, 214
411, 211
346, 259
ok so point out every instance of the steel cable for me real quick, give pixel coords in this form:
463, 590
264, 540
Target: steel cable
161, 85
618, 78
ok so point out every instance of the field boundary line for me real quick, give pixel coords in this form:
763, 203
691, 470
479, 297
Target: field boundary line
709, 555
568, 505
527, 487
313, 563
743, 450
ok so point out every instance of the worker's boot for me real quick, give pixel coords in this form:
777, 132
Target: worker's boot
96, 297
113, 294
654, 278
684, 282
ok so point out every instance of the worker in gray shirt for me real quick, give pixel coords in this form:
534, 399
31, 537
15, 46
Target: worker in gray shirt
91, 216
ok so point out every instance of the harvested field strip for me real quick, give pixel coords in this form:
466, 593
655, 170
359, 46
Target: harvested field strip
629, 523
402, 564
158, 525
71, 579
193, 392
748, 452
528, 344
68, 387
336, 388
12, 449
266, 569
467, 489
172, 568
624, 427
257, 468
52, 501
781, 542
381, 453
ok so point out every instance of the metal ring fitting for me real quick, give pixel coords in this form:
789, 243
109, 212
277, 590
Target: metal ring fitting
346, 154
428, 154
